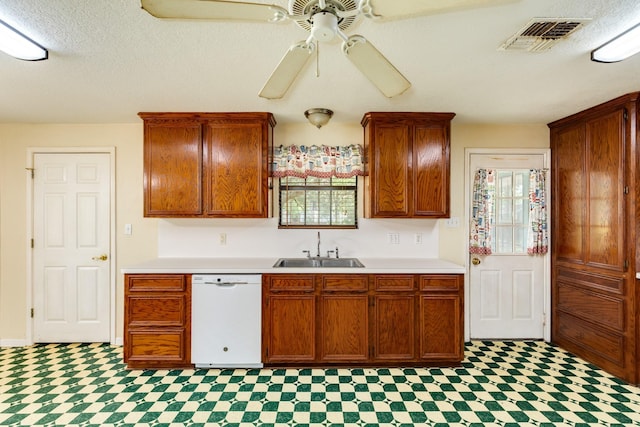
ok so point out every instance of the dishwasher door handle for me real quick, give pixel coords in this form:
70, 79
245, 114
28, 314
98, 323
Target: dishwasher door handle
226, 283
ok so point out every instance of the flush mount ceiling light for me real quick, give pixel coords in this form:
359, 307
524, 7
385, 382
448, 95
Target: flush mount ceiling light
318, 116
16, 44
621, 47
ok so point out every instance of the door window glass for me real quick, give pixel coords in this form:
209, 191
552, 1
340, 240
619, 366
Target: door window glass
512, 212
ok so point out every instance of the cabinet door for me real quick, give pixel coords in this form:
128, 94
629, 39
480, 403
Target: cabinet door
394, 317
391, 182
569, 192
441, 327
289, 333
344, 317
394, 329
172, 168
606, 179
236, 169
431, 170
344, 327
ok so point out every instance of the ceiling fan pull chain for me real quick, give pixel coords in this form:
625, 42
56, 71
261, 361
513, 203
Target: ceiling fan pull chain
317, 59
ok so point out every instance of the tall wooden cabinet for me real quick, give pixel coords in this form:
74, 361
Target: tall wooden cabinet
594, 223
408, 158
207, 164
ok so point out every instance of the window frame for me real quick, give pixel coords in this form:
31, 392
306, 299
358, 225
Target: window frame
306, 187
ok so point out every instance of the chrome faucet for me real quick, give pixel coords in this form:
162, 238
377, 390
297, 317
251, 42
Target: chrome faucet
318, 255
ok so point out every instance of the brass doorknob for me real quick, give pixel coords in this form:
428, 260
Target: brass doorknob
475, 261
102, 257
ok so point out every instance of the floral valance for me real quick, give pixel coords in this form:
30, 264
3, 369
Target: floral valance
320, 161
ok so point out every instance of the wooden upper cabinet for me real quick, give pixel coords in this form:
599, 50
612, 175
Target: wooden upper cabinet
408, 159
589, 181
207, 164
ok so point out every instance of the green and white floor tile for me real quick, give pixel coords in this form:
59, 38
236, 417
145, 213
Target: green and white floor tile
498, 384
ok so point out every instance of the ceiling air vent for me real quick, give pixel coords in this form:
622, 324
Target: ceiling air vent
542, 33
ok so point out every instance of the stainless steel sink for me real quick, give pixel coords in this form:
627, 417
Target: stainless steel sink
342, 262
319, 262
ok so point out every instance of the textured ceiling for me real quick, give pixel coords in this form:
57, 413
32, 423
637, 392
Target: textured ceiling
108, 60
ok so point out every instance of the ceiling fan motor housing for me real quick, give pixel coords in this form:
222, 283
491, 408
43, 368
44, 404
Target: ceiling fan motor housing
312, 8
325, 26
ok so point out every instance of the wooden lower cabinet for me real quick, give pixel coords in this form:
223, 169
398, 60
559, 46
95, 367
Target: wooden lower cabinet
344, 327
394, 318
157, 321
360, 319
288, 318
441, 318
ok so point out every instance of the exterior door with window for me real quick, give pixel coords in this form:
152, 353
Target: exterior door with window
508, 287
71, 258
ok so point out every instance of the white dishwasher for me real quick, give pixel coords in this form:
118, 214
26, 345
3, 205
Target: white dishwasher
226, 320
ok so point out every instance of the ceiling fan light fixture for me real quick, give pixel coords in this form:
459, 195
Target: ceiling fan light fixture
318, 116
325, 26
619, 48
16, 44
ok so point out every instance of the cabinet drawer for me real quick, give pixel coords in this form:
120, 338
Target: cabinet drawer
394, 283
156, 346
440, 283
165, 282
291, 283
347, 282
157, 310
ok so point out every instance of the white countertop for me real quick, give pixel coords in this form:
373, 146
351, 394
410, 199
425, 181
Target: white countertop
265, 265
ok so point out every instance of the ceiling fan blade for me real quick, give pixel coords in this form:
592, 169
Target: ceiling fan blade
215, 9
394, 9
287, 70
375, 66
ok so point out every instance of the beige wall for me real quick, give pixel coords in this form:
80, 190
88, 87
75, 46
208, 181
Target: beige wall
16, 139
453, 242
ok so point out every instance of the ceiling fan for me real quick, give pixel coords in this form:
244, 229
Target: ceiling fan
325, 20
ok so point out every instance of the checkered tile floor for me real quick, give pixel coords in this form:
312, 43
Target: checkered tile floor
499, 384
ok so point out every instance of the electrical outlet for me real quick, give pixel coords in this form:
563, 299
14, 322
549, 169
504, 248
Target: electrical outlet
394, 238
128, 229
223, 238
418, 238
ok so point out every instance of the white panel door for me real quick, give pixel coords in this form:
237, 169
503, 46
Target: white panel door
507, 288
71, 259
